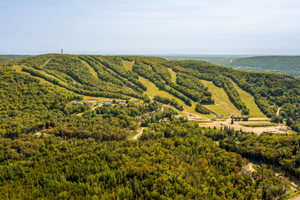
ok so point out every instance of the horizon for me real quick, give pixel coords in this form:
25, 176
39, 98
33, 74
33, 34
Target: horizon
167, 55
134, 27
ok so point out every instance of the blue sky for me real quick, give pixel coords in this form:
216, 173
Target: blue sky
150, 27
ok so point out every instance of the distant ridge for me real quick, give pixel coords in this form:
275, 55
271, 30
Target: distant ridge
289, 64
7, 58
278, 64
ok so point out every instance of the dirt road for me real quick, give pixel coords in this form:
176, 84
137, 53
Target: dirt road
139, 133
288, 181
100, 105
278, 111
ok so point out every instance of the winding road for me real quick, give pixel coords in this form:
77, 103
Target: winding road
139, 133
97, 106
288, 181
278, 111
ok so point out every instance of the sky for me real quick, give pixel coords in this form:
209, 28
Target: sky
239, 27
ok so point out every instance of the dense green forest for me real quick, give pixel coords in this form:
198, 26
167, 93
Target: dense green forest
51, 148
278, 64
201, 109
107, 76
27, 105
176, 161
224, 60
7, 58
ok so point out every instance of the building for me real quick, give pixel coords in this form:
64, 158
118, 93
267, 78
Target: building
234, 116
138, 119
121, 102
162, 121
91, 101
107, 103
136, 102
283, 128
214, 118
239, 118
77, 103
255, 165
177, 117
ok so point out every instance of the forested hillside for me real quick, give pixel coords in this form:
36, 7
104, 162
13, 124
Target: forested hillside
108, 76
7, 58
224, 60
278, 64
53, 148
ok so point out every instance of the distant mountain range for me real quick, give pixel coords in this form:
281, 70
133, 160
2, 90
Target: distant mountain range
7, 58
277, 64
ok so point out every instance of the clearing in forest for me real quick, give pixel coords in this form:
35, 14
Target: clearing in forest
101, 99
47, 61
173, 75
128, 64
19, 69
153, 90
222, 103
91, 69
248, 99
191, 110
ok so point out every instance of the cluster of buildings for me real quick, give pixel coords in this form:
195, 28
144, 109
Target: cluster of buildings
214, 118
105, 103
139, 119
108, 103
88, 101
239, 118
282, 128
